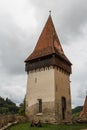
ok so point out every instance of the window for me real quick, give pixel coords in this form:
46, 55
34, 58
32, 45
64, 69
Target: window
35, 80
40, 105
63, 107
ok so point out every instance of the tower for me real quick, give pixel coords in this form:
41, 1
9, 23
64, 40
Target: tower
83, 113
48, 85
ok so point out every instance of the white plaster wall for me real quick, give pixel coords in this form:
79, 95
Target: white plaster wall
40, 85
62, 83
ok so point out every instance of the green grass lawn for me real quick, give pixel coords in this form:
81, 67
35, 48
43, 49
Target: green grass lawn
26, 126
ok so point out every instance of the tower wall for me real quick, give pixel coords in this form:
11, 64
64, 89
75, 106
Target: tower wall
62, 90
41, 85
48, 85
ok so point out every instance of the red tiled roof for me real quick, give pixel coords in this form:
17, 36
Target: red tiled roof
84, 111
48, 43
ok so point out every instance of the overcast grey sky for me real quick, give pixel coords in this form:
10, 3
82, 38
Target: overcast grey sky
21, 22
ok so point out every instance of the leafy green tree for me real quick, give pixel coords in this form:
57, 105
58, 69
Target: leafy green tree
22, 108
9, 102
7, 106
77, 109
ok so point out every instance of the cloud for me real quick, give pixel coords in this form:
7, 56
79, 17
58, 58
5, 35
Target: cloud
13, 87
14, 45
10, 47
69, 16
76, 17
77, 52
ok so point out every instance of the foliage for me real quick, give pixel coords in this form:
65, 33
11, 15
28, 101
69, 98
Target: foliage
26, 126
76, 112
77, 109
22, 108
7, 106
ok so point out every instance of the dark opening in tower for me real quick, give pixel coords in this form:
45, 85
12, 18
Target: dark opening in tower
63, 107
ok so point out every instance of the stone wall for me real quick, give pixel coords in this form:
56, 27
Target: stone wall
62, 89
5, 120
49, 84
47, 115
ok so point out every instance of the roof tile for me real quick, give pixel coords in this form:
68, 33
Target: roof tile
48, 43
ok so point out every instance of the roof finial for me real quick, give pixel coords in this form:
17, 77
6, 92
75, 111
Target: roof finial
49, 12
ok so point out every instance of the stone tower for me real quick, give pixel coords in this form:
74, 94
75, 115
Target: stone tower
48, 85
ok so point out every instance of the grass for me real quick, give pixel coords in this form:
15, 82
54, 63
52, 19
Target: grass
26, 126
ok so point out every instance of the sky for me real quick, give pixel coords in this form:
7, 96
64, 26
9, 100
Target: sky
21, 22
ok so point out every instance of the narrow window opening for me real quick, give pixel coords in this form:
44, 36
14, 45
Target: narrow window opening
40, 105
35, 80
63, 107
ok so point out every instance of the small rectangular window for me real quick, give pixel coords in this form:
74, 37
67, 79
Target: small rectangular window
40, 105
35, 80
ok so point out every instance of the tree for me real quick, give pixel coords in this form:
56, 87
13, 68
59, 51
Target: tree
7, 106
22, 108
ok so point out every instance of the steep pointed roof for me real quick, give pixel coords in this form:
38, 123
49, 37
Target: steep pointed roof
84, 110
48, 43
